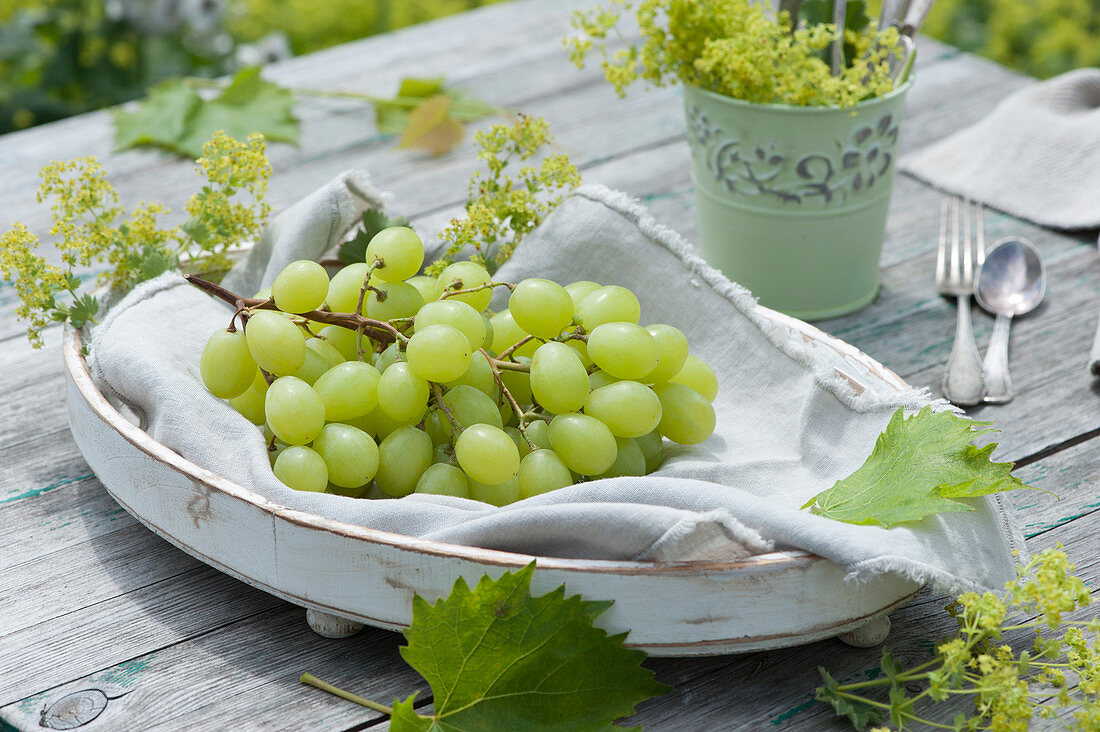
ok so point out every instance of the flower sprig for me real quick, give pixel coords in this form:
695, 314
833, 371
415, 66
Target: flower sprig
1005, 687
91, 228
734, 48
503, 209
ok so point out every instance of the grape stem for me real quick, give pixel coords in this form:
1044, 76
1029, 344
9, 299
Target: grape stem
511, 349
486, 286
494, 365
376, 264
379, 330
456, 427
308, 678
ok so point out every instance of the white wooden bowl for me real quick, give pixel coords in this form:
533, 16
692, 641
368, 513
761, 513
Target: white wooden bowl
347, 575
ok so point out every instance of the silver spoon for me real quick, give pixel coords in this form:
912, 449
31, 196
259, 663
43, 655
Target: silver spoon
1011, 281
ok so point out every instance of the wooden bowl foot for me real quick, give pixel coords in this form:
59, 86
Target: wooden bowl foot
868, 635
331, 626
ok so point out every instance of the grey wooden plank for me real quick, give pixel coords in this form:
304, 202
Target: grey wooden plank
97, 635
242, 676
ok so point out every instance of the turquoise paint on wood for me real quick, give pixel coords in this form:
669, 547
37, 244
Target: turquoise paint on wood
50, 487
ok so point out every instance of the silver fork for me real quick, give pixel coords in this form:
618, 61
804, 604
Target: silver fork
960, 253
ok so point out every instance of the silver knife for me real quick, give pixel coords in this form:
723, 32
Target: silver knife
1094, 358
891, 14
915, 13
840, 10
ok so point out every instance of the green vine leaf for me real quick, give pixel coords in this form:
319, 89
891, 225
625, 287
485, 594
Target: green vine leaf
176, 118
498, 658
922, 464
431, 127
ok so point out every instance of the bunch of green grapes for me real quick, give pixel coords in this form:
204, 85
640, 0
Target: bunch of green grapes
442, 396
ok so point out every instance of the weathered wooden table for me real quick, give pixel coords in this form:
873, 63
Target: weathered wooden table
91, 600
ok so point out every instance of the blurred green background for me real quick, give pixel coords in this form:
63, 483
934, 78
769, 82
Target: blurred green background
63, 57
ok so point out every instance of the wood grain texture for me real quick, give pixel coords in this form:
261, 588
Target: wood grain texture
90, 598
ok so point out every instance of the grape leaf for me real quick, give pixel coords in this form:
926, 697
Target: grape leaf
498, 658
919, 466
176, 118
431, 127
354, 250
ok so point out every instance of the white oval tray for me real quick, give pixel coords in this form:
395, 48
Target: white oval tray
347, 575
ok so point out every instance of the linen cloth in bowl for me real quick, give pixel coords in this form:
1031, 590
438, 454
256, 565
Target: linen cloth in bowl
788, 427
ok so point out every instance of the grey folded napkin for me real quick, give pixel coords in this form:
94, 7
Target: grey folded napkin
792, 416
1036, 156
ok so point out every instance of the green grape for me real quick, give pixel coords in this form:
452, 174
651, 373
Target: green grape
344, 341
295, 412
349, 453
402, 301
384, 424
541, 307
274, 449
558, 379
343, 289
349, 389
455, 314
629, 459
301, 286
438, 353
263, 294
401, 251
629, 409
579, 290
581, 349
506, 334
315, 364
366, 422
583, 443
596, 379
425, 285
624, 350
301, 469
250, 405
479, 375
277, 345
687, 417
402, 395
609, 304
697, 375
487, 343
653, 449
438, 427
672, 352
498, 494
402, 458
226, 366
542, 471
326, 350
538, 432
387, 358
521, 444
465, 276
444, 452
470, 406
507, 413
518, 383
487, 454
359, 491
441, 479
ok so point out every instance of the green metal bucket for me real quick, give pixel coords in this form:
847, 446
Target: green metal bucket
792, 201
